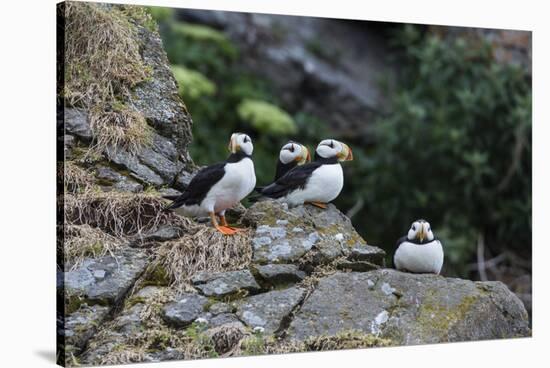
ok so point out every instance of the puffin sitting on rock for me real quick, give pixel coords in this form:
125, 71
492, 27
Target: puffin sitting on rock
220, 186
291, 155
419, 251
317, 182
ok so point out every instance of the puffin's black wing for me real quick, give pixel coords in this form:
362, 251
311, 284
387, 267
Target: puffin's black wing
282, 168
292, 180
199, 186
399, 241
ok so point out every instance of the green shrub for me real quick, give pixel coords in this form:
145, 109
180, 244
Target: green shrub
454, 149
192, 84
266, 118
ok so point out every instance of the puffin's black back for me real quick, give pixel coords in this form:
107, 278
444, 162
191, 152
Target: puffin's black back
283, 168
199, 186
292, 180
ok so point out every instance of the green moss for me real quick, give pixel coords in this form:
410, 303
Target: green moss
192, 84
266, 117
436, 318
156, 276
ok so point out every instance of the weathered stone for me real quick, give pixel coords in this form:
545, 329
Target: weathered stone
268, 310
225, 319
164, 233
410, 309
185, 310
157, 98
219, 308
82, 324
225, 283
105, 280
119, 181
76, 123
359, 266
285, 235
277, 274
131, 162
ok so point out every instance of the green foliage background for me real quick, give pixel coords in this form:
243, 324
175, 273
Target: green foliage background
454, 149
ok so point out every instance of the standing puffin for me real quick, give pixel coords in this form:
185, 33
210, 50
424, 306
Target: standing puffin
317, 182
291, 155
419, 251
220, 186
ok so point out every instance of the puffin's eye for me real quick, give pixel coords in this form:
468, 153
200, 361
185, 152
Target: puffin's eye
413, 228
429, 229
291, 148
245, 140
331, 144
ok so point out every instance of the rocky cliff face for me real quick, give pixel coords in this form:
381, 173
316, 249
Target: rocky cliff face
137, 284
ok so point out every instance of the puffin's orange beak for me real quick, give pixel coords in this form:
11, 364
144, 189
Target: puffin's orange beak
304, 156
346, 154
233, 147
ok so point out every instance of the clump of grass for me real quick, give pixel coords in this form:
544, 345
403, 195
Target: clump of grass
119, 128
102, 59
84, 241
76, 179
203, 248
350, 339
120, 214
102, 65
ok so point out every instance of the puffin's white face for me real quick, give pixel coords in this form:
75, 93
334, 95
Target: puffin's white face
332, 148
293, 151
240, 142
420, 230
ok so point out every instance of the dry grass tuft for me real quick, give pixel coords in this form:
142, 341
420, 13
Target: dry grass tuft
202, 249
102, 65
84, 241
350, 339
102, 59
120, 214
76, 179
124, 128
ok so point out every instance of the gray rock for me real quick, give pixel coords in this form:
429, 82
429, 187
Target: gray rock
285, 235
185, 310
359, 266
219, 308
277, 274
105, 280
225, 319
132, 163
268, 310
410, 309
164, 233
157, 98
225, 283
82, 324
76, 123
108, 176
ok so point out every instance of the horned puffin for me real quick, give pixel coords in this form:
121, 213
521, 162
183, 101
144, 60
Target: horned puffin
220, 186
317, 182
419, 251
291, 155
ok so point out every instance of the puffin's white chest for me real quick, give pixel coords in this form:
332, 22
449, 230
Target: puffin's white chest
324, 185
239, 180
419, 258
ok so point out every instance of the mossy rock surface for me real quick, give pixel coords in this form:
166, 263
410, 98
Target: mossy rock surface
410, 309
290, 235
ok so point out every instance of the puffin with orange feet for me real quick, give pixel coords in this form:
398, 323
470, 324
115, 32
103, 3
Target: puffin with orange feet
220, 186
